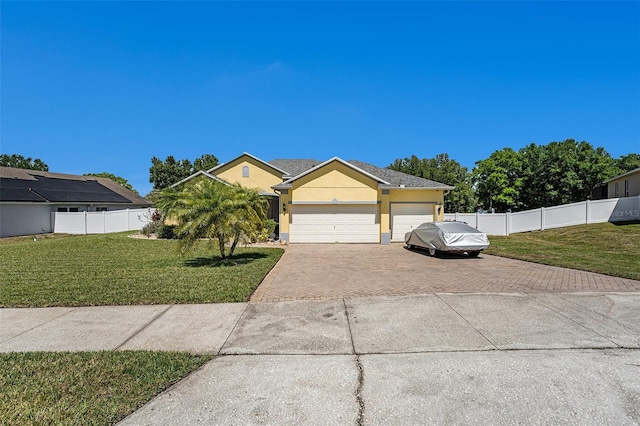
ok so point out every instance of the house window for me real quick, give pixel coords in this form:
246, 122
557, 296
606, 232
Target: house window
101, 209
68, 209
616, 193
245, 171
626, 188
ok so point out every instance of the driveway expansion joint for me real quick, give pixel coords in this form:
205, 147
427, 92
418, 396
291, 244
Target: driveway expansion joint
246, 306
41, 324
562, 296
467, 321
141, 329
575, 321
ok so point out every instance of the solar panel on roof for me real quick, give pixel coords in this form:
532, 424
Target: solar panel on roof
58, 190
19, 194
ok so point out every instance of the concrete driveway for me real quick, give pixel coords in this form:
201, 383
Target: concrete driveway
331, 271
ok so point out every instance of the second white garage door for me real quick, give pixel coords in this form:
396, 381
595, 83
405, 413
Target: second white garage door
334, 224
407, 216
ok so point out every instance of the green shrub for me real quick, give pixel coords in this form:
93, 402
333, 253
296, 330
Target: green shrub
168, 232
265, 233
151, 228
270, 225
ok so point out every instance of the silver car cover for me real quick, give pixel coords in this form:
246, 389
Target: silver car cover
447, 236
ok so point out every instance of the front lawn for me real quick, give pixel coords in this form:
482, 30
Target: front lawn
604, 248
113, 269
88, 388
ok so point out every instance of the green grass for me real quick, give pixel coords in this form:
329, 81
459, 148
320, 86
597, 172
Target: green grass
113, 269
88, 388
604, 248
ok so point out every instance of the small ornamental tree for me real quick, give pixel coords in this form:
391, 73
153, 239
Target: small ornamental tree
215, 212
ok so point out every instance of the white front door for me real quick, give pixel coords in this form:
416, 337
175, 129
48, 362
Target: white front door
326, 223
408, 216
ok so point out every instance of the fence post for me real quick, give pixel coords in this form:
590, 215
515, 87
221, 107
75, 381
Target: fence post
104, 222
456, 216
477, 221
588, 211
128, 221
85, 223
542, 218
507, 223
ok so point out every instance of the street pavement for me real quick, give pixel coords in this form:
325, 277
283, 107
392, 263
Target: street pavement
439, 358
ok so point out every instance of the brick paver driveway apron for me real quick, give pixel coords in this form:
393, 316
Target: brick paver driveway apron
329, 271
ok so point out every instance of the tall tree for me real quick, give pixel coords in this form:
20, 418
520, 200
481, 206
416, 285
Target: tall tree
215, 212
117, 179
445, 170
542, 175
562, 172
498, 180
19, 162
205, 162
626, 163
163, 174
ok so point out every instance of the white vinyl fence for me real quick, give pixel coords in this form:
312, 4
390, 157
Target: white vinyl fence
535, 220
100, 222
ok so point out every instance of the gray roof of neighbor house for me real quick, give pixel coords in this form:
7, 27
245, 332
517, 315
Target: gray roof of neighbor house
396, 179
294, 167
38, 186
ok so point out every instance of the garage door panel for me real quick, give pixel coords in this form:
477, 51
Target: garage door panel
329, 223
405, 217
306, 235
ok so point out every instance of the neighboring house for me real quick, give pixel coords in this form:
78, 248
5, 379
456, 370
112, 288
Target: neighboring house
29, 197
625, 185
336, 200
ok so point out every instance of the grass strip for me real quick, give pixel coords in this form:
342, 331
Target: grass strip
604, 248
112, 269
89, 388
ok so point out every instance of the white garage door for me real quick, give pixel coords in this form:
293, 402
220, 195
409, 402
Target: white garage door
405, 217
334, 224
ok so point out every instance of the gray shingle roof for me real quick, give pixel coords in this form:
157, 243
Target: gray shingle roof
294, 167
395, 178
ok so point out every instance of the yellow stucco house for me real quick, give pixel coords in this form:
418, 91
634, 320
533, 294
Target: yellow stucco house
336, 201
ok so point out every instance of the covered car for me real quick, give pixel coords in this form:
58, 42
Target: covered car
451, 237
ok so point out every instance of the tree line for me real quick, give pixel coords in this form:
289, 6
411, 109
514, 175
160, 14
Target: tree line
532, 177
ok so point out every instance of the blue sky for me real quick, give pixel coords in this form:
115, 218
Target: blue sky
104, 86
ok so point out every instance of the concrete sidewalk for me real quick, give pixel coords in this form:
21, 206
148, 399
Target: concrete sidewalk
569, 358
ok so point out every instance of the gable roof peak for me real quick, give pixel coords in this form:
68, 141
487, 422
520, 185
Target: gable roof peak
250, 156
324, 163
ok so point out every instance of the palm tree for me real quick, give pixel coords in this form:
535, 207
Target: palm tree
213, 211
